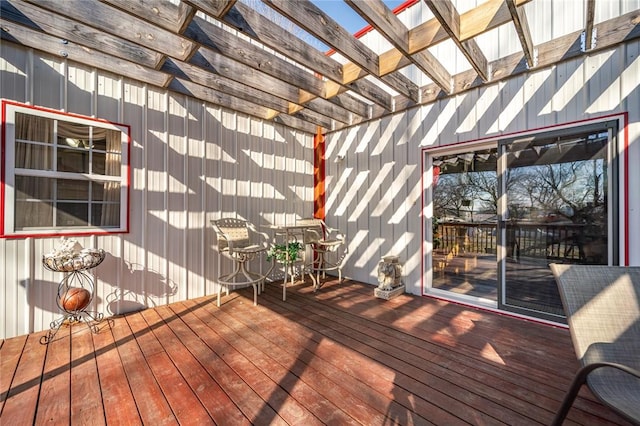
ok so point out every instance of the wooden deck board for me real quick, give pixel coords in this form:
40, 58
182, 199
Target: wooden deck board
338, 356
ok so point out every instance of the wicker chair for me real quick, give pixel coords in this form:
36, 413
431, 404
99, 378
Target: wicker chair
236, 242
328, 248
602, 304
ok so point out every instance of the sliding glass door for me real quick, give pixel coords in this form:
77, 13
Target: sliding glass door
503, 211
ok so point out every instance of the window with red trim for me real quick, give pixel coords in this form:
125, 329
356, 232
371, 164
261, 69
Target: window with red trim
62, 173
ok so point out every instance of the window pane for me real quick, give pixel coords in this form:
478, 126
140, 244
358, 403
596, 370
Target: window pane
33, 128
105, 215
72, 190
31, 214
73, 160
33, 188
33, 156
105, 191
106, 164
73, 134
72, 214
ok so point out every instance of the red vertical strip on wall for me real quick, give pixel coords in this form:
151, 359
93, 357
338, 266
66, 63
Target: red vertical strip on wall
318, 174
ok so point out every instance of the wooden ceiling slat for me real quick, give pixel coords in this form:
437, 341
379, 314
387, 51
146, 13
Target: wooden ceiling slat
389, 25
42, 20
522, 29
119, 23
18, 34
449, 18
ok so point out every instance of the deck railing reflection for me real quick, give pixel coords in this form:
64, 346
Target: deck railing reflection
555, 241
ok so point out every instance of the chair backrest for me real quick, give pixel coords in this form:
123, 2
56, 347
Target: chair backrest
232, 230
602, 303
314, 230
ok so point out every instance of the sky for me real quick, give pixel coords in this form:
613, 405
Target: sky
347, 17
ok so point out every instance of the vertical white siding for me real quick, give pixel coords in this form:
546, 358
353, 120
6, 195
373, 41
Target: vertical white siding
190, 163
378, 155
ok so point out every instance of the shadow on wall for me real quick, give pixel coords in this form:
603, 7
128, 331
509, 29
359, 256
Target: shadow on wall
139, 289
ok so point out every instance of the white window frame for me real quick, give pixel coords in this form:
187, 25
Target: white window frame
8, 172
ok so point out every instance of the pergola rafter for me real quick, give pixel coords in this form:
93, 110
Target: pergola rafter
201, 49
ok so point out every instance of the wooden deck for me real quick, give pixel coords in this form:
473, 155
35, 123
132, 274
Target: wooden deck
339, 356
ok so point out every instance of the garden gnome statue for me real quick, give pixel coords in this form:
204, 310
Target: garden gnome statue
389, 273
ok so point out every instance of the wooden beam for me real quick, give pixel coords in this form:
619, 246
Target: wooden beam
189, 72
16, 33
227, 44
222, 99
41, 20
254, 25
164, 14
216, 63
588, 27
389, 26
215, 8
446, 13
309, 17
522, 29
121, 24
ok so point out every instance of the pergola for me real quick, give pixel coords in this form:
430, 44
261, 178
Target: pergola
226, 53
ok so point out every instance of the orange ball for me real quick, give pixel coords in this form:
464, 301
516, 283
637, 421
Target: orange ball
75, 299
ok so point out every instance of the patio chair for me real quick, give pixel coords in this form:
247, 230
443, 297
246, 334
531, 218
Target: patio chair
328, 247
602, 304
236, 241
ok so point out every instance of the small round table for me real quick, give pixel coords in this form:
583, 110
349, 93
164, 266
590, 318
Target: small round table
75, 291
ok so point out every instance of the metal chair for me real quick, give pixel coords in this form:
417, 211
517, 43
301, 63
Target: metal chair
236, 242
602, 304
328, 247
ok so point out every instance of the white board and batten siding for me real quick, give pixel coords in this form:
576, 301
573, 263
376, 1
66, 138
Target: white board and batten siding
375, 189
191, 162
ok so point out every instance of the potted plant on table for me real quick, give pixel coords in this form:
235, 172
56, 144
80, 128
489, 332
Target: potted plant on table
286, 253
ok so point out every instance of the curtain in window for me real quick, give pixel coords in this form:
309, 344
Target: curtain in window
34, 137
111, 207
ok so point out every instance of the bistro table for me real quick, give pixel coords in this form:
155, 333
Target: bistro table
289, 233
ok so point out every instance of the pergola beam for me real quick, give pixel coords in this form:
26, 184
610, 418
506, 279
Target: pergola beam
446, 13
521, 25
389, 26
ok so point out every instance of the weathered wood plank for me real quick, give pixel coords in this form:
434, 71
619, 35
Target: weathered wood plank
588, 27
41, 20
446, 13
227, 44
21, 365
215, 8
225, 85
15, 33
165, 14
389, 25
86, 397
123, 25
522, 29
214, 62
295, 123
308, 16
